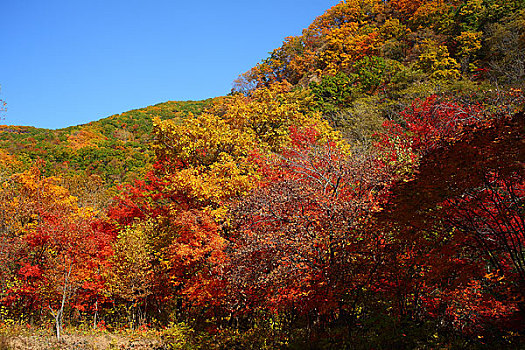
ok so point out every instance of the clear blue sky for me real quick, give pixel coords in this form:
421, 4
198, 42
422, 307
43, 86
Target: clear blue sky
69, 62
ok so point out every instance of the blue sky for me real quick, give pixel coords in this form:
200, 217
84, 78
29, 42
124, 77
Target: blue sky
69, 62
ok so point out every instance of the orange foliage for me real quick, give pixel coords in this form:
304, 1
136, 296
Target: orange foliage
83, 138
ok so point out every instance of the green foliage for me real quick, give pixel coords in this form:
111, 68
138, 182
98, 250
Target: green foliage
338, 91
370, 73
179, 337
334, 92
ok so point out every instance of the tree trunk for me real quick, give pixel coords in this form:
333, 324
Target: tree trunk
59, 315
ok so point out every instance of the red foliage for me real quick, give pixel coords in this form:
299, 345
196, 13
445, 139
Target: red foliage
299, 241
458, 220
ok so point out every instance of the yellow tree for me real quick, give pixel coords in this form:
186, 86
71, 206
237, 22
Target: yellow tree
209, 154
131, 275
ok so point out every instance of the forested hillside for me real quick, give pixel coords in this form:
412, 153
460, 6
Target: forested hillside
115, 148
360, 188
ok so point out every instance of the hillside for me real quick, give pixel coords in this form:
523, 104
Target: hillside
362, 187
366, 61
116, 148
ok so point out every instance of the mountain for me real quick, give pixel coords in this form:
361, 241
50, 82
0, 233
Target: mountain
362, 187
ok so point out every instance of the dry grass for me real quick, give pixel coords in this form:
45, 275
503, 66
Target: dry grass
45, 340
4, 344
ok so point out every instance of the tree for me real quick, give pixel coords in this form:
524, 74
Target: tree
506, 41
3, 107
457, 219
299, 247
131, 276
54, 246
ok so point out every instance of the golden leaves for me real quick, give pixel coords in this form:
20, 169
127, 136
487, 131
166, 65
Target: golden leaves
435, 60
469, 43
209, 154
347, 44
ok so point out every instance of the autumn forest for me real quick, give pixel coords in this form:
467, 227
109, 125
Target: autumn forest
362, 187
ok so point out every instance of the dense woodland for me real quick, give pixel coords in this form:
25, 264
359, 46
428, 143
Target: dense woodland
361, 187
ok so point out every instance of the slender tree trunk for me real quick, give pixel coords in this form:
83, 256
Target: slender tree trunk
59, 315
95, 316
58, 325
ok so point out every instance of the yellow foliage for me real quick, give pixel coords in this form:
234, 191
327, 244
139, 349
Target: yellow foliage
347, 44
436, 61
200, 145
392, 29
131, 274
46, 190
269, 112
435, 14
210, 152
473, 10
469, 43
8, 164
5, 158
345, 12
